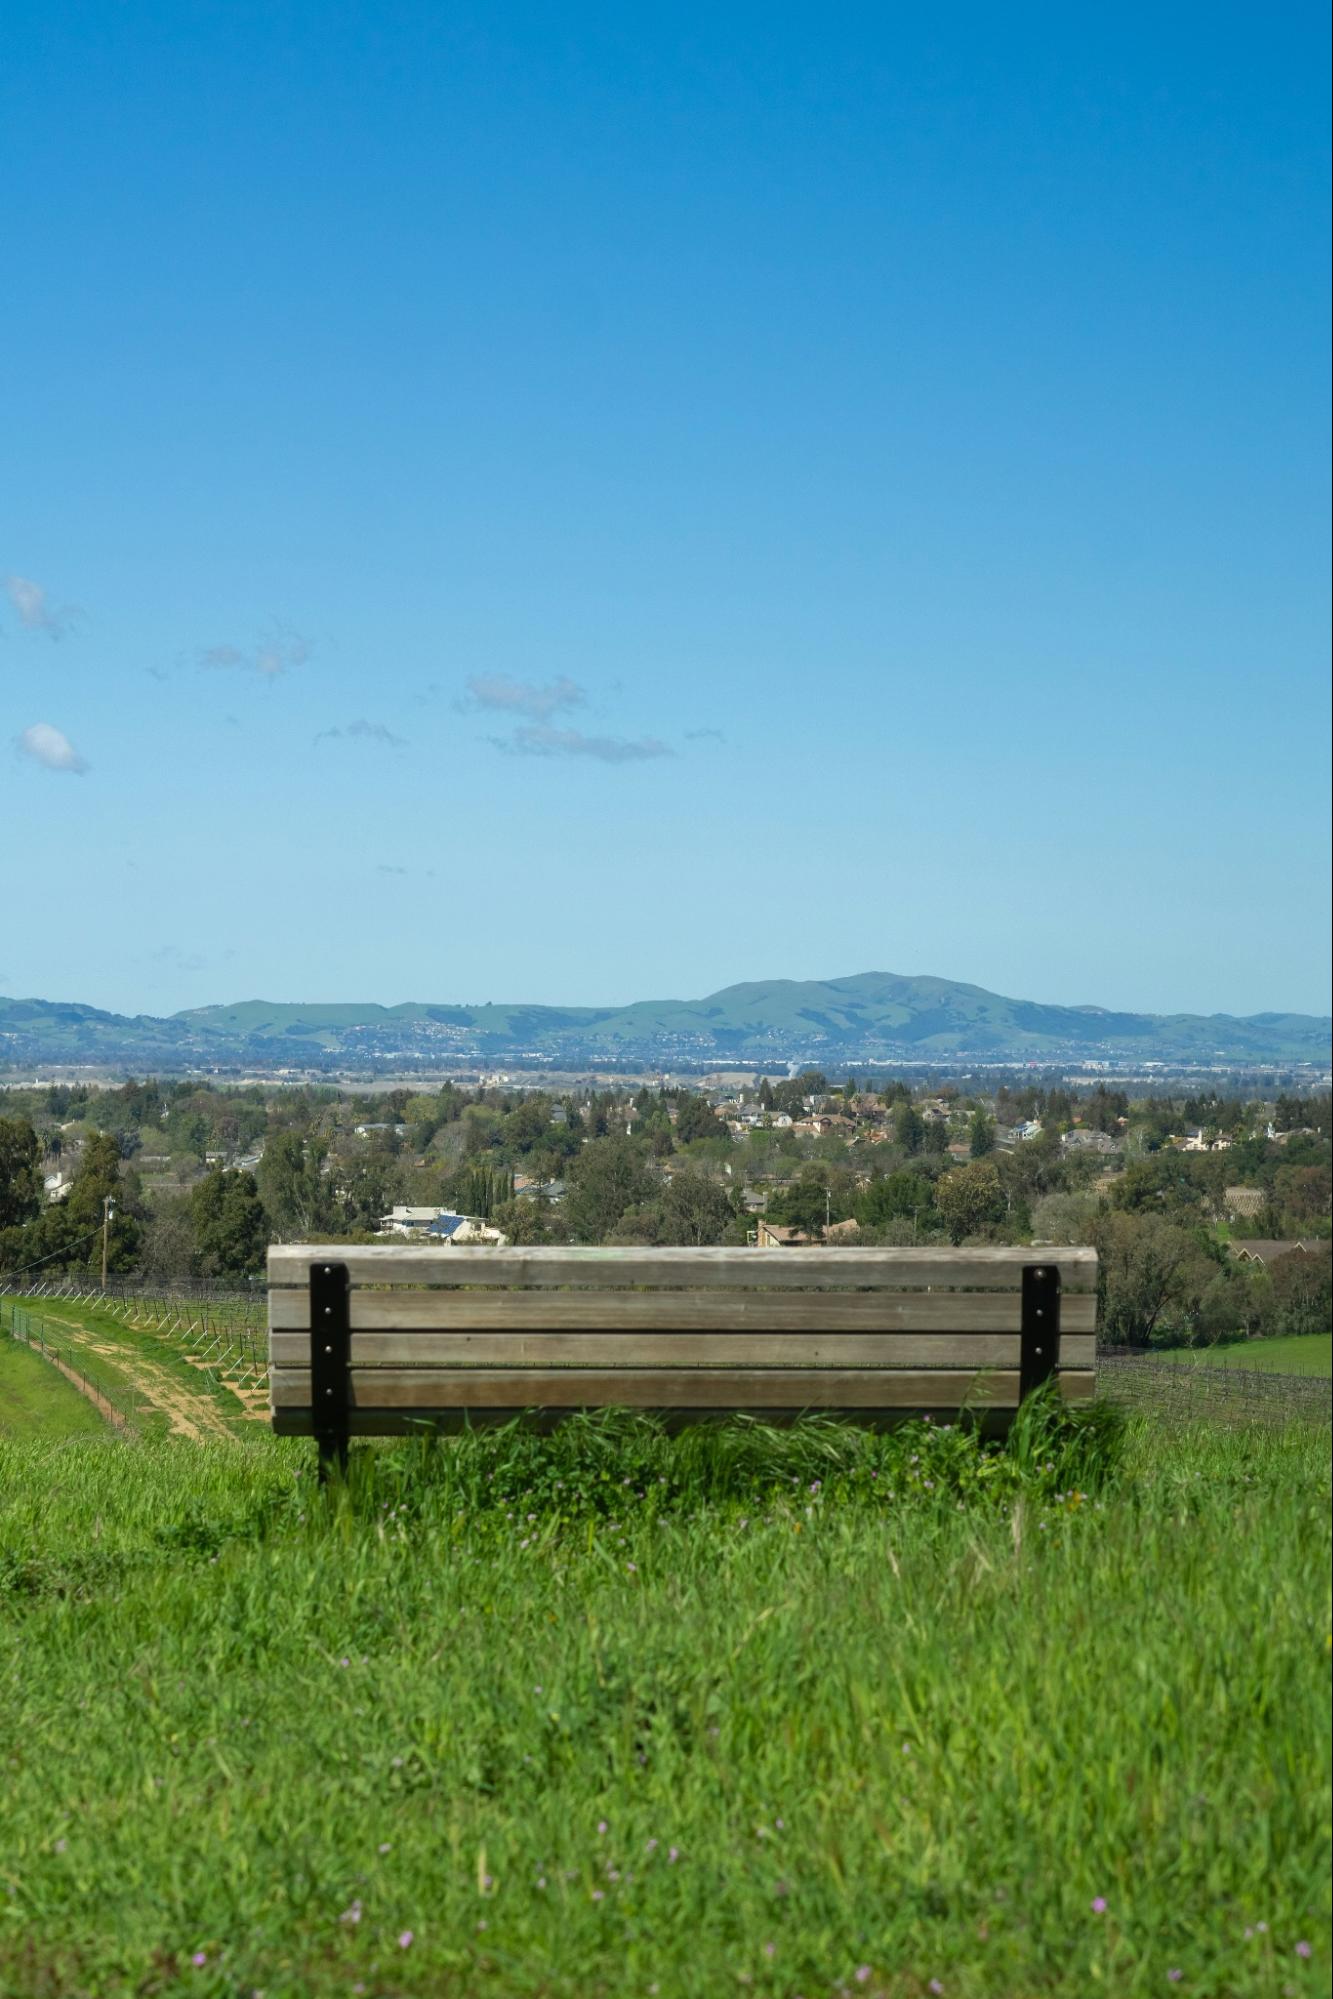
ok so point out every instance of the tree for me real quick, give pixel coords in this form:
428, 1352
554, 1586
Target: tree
606, 1178
898, 1196
20, 1173
970, 1198
68, 1232
1150, 1270
522, 1221
168, 1253
482, 1189
1063, 1218
1302, 1192
695, 1119
980, 1134
297, 1197
230, 1227
1303, 1291
1163, 1183
908, 1129
695, 1211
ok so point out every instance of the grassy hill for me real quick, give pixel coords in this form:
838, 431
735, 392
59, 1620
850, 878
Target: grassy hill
829, 1021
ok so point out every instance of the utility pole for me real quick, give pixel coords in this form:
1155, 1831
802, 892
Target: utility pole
108, 1210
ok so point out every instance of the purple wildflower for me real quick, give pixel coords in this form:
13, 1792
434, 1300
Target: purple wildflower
1175, 1976
1098, 1905
601, 1825
405, 1940
1303, 1950
862, 1973
199, 1960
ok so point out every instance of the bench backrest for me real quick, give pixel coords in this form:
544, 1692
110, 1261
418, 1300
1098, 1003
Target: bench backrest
374, 1341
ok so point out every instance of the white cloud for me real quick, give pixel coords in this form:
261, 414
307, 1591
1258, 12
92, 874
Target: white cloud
523, 697
35, 610
273, 656
540, 740
50, 746
368, 732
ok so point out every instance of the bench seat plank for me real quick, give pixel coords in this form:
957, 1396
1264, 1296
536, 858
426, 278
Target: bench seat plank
431, 1392
655, 1388
690, 1270
474, 1311
781, 1350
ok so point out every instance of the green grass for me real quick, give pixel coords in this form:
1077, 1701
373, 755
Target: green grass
614, 1713
1298, 1353
37, 1401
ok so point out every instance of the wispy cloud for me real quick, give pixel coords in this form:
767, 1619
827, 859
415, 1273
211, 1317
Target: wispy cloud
180, 961
366, 732
51, 747
704, 736
271, 657
499, 692
540, 740
36, 612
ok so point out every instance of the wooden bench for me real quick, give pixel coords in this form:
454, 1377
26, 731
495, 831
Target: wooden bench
380, 1341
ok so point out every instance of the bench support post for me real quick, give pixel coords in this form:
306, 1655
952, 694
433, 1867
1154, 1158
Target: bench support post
330, 1362
1040, 1324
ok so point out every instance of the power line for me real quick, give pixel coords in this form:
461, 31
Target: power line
64, 1250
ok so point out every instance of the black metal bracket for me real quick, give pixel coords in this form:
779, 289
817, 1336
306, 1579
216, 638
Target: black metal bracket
330, 1362
1040, 1349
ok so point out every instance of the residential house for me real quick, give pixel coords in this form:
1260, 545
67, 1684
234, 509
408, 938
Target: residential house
456, 1230
1089, 1141
409, 1221
1268, 1252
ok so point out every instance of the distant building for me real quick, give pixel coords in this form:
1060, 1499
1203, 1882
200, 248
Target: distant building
1244, 1202
408, 1221
773, 1235
1268, 1252
1089, 1141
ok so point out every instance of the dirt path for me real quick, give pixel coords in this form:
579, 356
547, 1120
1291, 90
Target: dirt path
189, 1415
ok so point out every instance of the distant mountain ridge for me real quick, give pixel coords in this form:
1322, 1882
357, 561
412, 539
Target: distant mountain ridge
873, 1016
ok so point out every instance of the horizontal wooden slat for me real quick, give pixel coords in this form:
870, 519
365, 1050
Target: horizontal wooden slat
785, 1269
682, 1311
295, 1420
682, 1350
637, 1350
657, 1388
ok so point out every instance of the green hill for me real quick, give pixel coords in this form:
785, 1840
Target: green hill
871, 1016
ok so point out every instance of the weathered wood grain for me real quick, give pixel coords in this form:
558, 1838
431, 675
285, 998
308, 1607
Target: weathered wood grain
690, 1269
777, 1350
656, 1388
469, 1311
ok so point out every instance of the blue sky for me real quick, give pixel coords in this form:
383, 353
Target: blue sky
592, 503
